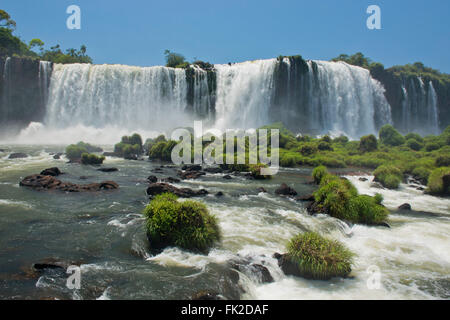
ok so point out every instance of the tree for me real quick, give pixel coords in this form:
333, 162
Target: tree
174, 60
36, 43
6, 21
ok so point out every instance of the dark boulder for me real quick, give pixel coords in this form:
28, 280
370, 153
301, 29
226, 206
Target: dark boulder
46, 183
159, 188
213, 170
261, 189
446, 184
227, 177
170, 180
285, 190
54, 172
308, 197
287, 266
206, 295
191, 167
363, 179
405, 206
185, 175
57, 156
251, 269
152, 179
108, 169
17, 155
219, 194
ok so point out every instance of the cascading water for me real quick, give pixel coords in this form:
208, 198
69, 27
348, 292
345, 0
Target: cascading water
419, 107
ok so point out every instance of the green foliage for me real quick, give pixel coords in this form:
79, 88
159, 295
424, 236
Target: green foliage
89, 158
319, 258
339, 198
129, 147
341, 139
436, 185
324, 146
175, 60
358, 59
414, 136
368, 143
255, 171
443, 161
431, 146
389, 176
318, 173
89, 147
413, 144
186, 224
421, 174
308, 149
391, 137
162, 150
74, 152
6, 21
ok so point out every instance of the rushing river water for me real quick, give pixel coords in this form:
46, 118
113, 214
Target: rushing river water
104, 232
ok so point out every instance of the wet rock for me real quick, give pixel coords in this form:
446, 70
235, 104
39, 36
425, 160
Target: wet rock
131, 157
40, 182
57, 156
312, 208
420, 188
261, 189
171, 180
405, 206
2, 150
157, 170
51, 172
363, 179
213, 170
152, 179
219, 194
227, 177
84, 177
191, 167
308, 197
159, 188
17, 155
108, 169
206, 295
383, 224
190, 174
285, 190
446, 184
287, 266
251, 269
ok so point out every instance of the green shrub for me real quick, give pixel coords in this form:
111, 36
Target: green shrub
339, 198
341, 139
391, 137
436, 184
318, 173
186, 224
129, 147
414, 136
443, 161
74, 152
421, 174
431, 146
255, 171
413, 144
319, 258
325, 138
89, 147
162, 150
131, 151
368, 143
389, 176
308, 149
89, 158
325, 146
304, 138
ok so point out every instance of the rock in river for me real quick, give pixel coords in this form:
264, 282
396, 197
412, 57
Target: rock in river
159, 188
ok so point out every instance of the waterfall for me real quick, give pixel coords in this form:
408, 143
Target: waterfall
119, 96
244, 94
419, 107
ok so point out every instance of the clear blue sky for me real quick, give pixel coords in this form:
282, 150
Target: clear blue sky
136, 32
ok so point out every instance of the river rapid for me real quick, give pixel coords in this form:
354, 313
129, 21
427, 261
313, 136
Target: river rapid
104, 234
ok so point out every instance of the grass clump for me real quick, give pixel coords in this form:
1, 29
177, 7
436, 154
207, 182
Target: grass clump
162, 150
439, 182
368, 143
89, 158
74, 152
413, 144
187, 224
130, 147
443, 161
339, 198
316, 257
390, 137
318, 173
389, 176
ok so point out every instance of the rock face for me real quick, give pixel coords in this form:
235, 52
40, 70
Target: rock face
17, 155
159, 188
288, 267
41, 182
285, 190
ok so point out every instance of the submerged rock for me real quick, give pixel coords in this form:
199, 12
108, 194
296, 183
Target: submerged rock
213, 170
108, 169
405, 206
41, 182
152, 179
227, 177
159, 188
191, 167
170, 180
57, 156
285, 190
190, 174
308, 197
206, 295
17, 155
261, 189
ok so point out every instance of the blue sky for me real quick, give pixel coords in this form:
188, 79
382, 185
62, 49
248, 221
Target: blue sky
136, 32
